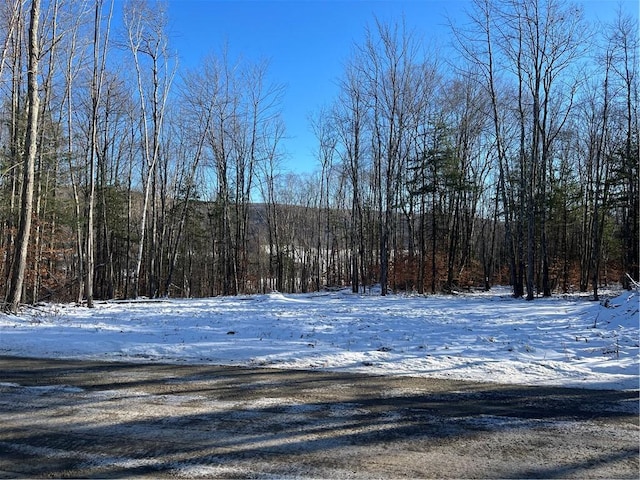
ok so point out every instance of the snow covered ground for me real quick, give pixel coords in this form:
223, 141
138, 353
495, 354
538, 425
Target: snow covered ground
482, 336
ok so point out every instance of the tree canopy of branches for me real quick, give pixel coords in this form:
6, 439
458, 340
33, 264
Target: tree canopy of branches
513, 158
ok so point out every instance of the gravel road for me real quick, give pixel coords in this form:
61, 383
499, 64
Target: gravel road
63, 418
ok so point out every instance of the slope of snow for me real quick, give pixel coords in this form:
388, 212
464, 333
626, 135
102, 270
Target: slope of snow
486, 337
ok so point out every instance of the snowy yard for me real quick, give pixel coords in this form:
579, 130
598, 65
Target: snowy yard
483, 336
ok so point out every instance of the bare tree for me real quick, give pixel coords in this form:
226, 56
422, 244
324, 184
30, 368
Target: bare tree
538, 43
146, 38
327, 141
389, 75
11, 14
19, 263
270, 176
350, 117
623, 38
12, 54
65, 118
197, 111
542, 41
97, 80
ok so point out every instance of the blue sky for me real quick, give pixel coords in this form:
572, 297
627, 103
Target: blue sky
307, 43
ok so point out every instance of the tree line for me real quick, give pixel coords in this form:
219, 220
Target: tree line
512, 159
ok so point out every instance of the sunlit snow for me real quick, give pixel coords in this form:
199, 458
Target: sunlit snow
568, 341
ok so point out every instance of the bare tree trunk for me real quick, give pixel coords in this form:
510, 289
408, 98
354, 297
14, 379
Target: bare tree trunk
146, 36
99, 59
15, 10
43, 178
190, 181
19, 264
15, 42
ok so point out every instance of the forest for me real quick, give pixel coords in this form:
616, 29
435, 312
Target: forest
513, 160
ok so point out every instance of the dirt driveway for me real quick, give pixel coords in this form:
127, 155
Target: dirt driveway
92, 419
